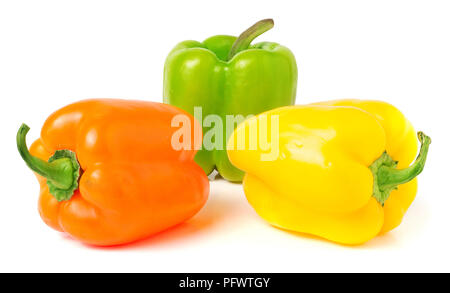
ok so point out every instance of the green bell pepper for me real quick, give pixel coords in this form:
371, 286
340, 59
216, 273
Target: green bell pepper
226, 75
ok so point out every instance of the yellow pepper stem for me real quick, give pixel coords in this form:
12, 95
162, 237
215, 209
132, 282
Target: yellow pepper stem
386, 175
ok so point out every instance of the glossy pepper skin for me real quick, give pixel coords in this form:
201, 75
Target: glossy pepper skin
225, 75
342, 173
132, 183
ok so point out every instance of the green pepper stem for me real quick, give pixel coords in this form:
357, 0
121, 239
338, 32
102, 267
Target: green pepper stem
245, 39
390, 177
58, 172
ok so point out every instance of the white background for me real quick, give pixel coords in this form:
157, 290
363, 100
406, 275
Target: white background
56, 52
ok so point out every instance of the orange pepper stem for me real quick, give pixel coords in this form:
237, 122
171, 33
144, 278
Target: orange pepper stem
244, 40
386, 175
62, 170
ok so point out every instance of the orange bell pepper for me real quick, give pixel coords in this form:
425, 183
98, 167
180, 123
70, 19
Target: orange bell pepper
108, 173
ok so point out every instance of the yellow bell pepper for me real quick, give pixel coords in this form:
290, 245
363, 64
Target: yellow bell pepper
341, 171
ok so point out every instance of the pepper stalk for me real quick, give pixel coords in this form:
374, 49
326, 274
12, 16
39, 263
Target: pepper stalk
387, 177
246, 38
61, 171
